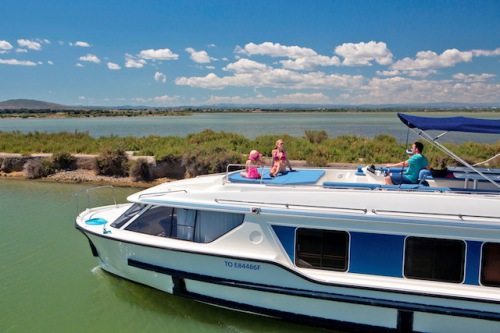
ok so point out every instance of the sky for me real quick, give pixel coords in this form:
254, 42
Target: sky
197, 53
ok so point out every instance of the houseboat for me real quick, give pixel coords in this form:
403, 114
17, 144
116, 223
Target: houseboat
317, 246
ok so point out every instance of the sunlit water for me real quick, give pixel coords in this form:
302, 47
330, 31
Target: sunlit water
249, 125
50, 282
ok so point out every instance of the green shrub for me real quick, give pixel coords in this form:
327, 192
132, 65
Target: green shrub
140, 170
316, 136
209, 158
112, 163
63, 160
39, 167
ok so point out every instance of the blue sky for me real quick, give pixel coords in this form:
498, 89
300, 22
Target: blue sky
171, 53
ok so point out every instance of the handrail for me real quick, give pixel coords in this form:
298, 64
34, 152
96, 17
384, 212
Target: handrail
154, 194
261, 169
288, 206
87, 190
459, 216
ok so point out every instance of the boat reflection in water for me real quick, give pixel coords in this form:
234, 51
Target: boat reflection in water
327, 247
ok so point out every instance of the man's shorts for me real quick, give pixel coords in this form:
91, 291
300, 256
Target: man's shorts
398, 179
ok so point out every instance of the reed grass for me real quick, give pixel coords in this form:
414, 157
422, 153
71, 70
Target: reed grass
209, 150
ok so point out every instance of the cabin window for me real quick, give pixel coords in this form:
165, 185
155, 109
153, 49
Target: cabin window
434, 259
187, 224
490, 272
129, 213
323, 249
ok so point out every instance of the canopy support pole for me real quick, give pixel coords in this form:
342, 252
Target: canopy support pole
428, 138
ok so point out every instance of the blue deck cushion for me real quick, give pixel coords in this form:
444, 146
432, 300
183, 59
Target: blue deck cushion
300, 177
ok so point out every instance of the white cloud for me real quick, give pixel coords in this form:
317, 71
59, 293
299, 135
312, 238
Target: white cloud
473, 77
5, 45
309, 63
426, 60
79, 65
90, 58
387, 73
80, 44
21, 51
405, 90
200, 57
161, 100
112, 66
161, 54
296, 98
276, 50
160, 77
50, 62
29, 44
362, 54
131, 62
246, 66
486, 53
275, 78
16, 62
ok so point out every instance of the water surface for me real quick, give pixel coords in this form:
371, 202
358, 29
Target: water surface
50, 281
249, 125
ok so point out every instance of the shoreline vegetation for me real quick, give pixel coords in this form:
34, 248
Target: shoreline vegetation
146, 161
74, 112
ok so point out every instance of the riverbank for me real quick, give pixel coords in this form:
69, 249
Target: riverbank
83, 172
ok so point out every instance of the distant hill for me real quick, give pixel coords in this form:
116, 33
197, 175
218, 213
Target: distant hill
30, 104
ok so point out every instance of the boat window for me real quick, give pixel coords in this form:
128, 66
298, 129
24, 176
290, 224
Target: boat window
129, 213
157, 220
434, 259
490, 274
186, 224
323, 249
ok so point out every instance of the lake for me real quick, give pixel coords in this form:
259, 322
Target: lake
250, 125
50, 281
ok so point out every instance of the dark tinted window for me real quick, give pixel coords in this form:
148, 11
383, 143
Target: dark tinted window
490, 265
323, 249
434, 259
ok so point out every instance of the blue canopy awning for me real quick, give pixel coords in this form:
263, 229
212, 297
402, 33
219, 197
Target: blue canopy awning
456, 124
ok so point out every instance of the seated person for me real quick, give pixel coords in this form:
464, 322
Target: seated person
254, 160
415, 163
280, 160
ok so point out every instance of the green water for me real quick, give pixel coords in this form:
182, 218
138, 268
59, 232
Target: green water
50, 282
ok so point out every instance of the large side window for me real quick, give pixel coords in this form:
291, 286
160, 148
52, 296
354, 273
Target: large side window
490, 272
186, 224
434, 259
323, 249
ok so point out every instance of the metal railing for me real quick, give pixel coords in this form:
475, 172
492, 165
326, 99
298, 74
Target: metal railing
87, 191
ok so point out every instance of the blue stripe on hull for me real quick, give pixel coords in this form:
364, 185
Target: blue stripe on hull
399, 305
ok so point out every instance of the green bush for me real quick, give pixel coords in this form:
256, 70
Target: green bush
39, 167
316, 136
140, 170
112, 163
209, 158
63, 160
